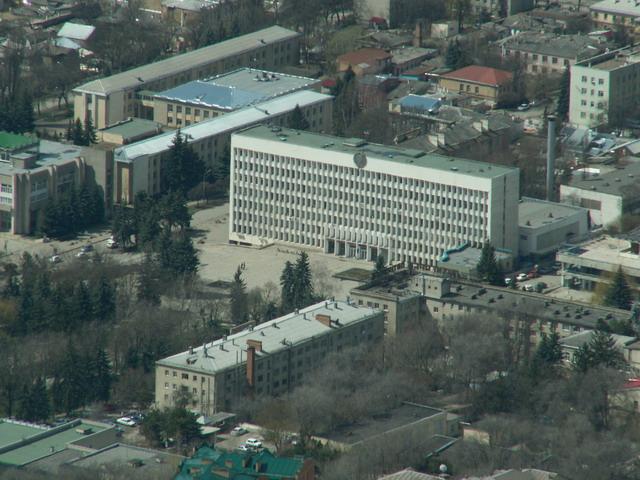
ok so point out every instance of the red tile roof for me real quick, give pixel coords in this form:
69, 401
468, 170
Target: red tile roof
479, 74
364, 55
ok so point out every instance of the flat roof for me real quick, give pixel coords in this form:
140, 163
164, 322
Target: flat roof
387, 153
50, 153
465, 259
119, 454
407, 53
132, 127
509, 301
606, 252
370, 428
612, 60
186, 61
42, 447
534, 213
12, 431
622, 181
262, 112
579, 339
237, 89
275, 335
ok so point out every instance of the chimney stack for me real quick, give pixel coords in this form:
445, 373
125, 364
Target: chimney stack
251, 366
551, 156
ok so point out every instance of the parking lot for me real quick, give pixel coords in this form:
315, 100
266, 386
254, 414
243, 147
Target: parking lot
229, 442
219, 259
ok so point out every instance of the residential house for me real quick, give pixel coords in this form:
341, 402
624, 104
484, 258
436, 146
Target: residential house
365, 61
480, 82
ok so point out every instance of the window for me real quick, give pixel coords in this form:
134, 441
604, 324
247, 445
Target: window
196, 112
477, 89
169, 119
175, 374
185, 376
179, 109
166, 385
206, 113
170, 107
187, 110
584, 78
166, 373
195, 378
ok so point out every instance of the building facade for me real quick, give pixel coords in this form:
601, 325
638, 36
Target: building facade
112, 99
548, 53
605, 88
32, 173
480, 82
138, 166
351, 198
269, 359
615, 14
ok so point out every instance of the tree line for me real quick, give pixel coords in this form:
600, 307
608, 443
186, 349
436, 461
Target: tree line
38, 303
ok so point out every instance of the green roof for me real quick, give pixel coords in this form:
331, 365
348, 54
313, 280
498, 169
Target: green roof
212, 464
11, 141
11, 432
388, 153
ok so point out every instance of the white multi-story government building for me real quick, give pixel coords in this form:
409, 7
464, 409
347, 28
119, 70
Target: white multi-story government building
358, 199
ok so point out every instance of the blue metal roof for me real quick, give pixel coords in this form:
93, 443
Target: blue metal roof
211, 95
420, 103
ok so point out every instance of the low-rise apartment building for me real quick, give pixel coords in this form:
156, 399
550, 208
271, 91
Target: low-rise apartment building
549, 53
33, 172
138, 166
112, 99
532, 314
352, 198
401, 306
268, 359
200, 100
605, 88
480, 82
614, 14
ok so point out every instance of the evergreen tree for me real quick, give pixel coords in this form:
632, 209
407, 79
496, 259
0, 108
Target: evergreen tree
287, 281
298, 121
69, 133
102, 376
89, 134
488, 268
302, 286
184, 167
183, 256
25, 118
565, 91
70, 387
619, 294
77, 134
81, 305
25, 406
123, 225
148, 286
40, 400
455, 56
550, 351
104, 299
238, 298
380, 270
600, 351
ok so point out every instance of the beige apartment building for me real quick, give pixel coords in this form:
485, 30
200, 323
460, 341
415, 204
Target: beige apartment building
267, 359
138, 166
130, 94
477, 81
614, 14
33, 172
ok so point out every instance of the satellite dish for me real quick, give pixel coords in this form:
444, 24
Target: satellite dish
443, 468
360, 159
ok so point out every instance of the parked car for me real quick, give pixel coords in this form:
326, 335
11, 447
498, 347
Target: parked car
508, 281
87, 248
55, 259
532, 274
529, 288
112, 243
127, 421
524, 107
82, 254
243, 448
522, 277
237, 431
253, 443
